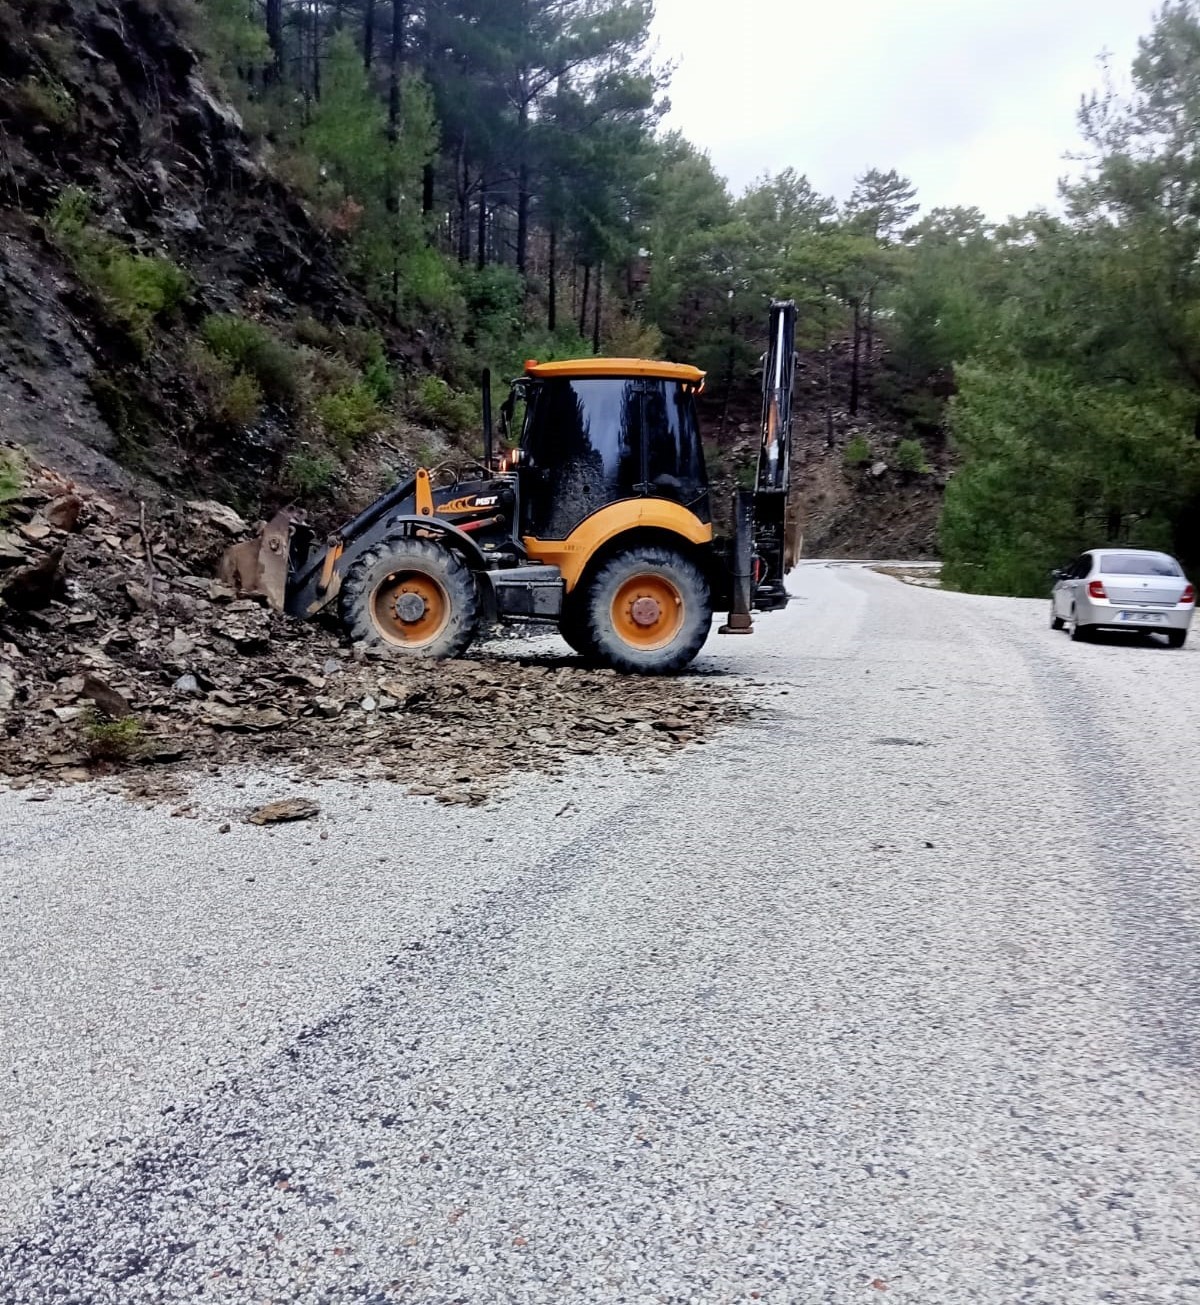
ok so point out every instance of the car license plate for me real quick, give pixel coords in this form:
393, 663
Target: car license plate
1144, 618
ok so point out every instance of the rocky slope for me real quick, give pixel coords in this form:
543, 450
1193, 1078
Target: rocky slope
123, 660
132, 210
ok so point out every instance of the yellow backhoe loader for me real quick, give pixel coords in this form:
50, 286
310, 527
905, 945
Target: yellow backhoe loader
596, 519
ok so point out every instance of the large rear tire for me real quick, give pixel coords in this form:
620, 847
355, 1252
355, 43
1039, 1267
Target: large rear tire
411, 598
1176, 638
649, 611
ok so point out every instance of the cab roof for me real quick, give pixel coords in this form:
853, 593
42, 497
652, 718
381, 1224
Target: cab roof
615, 367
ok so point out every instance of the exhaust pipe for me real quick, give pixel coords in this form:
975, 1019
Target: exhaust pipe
487, 419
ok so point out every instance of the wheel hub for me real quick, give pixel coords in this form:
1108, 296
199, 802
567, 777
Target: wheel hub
647, 611
410, 607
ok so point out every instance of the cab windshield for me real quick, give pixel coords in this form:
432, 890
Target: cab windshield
589, 441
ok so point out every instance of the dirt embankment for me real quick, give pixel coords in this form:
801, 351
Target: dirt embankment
874, 509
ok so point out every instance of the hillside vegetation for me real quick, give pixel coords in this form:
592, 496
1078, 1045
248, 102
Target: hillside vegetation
264, 251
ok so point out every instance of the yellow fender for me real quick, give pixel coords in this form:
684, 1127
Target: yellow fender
572, 555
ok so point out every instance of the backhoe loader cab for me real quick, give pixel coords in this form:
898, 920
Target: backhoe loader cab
597, 519
607, 431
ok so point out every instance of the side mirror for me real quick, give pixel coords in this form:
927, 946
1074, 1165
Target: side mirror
1057, 573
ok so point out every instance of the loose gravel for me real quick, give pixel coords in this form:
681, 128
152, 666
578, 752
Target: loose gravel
892, 990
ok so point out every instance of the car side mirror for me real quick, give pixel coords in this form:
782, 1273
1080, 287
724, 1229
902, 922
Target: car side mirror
1057, 573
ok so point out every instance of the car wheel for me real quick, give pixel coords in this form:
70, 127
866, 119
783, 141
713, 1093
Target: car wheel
1056, 621
1176, 638
1081, 633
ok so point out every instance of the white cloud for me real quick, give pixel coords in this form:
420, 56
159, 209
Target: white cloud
975, 100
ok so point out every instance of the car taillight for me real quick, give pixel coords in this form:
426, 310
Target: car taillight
1188, 595
1096, 589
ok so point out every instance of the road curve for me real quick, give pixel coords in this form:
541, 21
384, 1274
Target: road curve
894, 989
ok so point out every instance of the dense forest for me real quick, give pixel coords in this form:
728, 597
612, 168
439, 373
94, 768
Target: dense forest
494, 180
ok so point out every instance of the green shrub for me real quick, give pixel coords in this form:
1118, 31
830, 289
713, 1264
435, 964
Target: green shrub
48, 100
12, 478
307, 473
111, 740
253, 348
430, 286
135, 288
309, 331
326, 372
348, 414
632, 338
241, 403
858, 452
71, 211
438, 404
910, 457
378, 378
231, 397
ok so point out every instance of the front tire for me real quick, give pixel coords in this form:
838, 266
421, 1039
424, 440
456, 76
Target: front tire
573, 626
411, 598
649, 611
1056, 621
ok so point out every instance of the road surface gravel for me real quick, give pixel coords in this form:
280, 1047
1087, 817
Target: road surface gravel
890, 994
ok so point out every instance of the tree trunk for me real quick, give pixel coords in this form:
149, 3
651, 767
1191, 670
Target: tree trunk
395, 62
596, 310
729, 367
523, 189
583, 299
552, 292
368, 34
481, 234
828, 377
869, 359
315, 14
855, 357
464, 205
275, 39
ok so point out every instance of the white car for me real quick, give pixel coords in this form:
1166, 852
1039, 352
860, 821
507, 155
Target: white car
1123, 589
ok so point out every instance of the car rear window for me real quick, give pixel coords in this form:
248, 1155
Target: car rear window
1139, 564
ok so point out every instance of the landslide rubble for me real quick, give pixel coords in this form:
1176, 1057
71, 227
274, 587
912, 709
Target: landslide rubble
122, 657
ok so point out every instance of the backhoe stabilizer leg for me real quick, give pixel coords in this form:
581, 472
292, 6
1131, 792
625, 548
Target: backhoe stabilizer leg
740, 620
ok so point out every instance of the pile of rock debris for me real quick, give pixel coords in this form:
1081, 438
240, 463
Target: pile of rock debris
120, 655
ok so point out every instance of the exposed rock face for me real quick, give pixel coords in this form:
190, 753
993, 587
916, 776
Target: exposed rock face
109, 96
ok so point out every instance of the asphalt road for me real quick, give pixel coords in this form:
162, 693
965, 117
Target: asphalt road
891, 994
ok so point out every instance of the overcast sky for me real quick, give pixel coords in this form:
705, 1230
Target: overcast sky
975, 100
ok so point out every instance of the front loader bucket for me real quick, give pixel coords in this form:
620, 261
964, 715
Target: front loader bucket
260, 565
